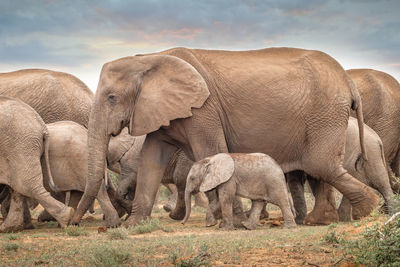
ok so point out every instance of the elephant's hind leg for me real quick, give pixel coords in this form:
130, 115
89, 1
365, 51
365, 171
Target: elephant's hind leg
14, 221
252, 221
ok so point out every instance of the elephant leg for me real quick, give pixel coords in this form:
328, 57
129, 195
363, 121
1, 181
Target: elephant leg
179, 212
111, 215
255, 211
238, 215
214, 209
344, 210
27, 215
113, 195
324, 211
15, 218
33, 187
226, 201
155, 157
296, 182
5, 204
200, 200
172, 200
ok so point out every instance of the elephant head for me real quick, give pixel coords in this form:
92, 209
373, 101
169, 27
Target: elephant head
143, 93
206, 175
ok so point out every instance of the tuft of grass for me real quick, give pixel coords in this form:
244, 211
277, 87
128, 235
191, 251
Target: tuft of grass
13, 236
332, 225
75, 231
379, 245
331, 238
11, 247
118, 233
201, 258
148, 226
107, 255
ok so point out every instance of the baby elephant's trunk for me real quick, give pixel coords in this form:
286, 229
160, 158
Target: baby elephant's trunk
188, 205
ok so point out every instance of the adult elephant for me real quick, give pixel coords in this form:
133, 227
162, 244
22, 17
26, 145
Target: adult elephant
207, 102
56, 96
380, 95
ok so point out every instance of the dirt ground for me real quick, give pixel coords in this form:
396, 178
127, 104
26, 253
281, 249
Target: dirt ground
164, 242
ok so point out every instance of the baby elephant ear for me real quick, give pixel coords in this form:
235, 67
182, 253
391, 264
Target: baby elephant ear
220, 170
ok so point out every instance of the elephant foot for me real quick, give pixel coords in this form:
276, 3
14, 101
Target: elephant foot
4, 228
177, 214
288, 225
226, 226
133, 220
44, 216
249, 225
238, 219
28, 226
210, 220
167, 207
365, 206
322, 217
299, 219
111, 221
65, 219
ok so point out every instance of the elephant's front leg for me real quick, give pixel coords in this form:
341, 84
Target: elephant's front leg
15, 218
214, 209
171, 204
226, 196
179, 212
155, 157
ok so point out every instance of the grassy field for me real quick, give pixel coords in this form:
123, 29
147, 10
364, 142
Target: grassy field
164, 242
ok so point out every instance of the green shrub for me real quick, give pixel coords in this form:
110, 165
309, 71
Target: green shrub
379, 246
75, 231
106, 255
331, 238
13, 236
118, 233
11, 247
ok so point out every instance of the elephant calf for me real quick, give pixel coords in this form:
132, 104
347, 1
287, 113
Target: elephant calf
68, 163
23, 141
255, 176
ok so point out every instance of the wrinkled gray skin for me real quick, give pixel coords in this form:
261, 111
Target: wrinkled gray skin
23, 141
208, 101
255, 176
372, 172
125, 150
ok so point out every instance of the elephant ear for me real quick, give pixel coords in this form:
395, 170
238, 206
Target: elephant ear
169, 89
220, 170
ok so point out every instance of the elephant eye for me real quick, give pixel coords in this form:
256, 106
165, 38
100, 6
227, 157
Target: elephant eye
111, 99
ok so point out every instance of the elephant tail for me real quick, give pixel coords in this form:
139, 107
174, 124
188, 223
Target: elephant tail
46, 142
356, 105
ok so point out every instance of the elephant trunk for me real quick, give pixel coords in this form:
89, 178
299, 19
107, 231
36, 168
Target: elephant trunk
188, 205
98, 140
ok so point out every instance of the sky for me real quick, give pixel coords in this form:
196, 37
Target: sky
78, 37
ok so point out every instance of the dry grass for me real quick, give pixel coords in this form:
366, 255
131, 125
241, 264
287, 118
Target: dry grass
164, 242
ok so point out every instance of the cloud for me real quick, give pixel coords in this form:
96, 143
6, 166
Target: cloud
82, 35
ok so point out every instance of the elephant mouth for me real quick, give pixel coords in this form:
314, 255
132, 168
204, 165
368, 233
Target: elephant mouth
122, 125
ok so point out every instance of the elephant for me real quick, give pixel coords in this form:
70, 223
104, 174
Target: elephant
207, 102
24, 140
55, 96
372, 172
68, 163
125, 150
380, 95
255, 176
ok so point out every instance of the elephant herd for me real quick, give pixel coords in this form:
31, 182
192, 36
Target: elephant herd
227, 124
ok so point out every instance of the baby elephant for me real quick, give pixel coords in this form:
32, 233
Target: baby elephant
255, 176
